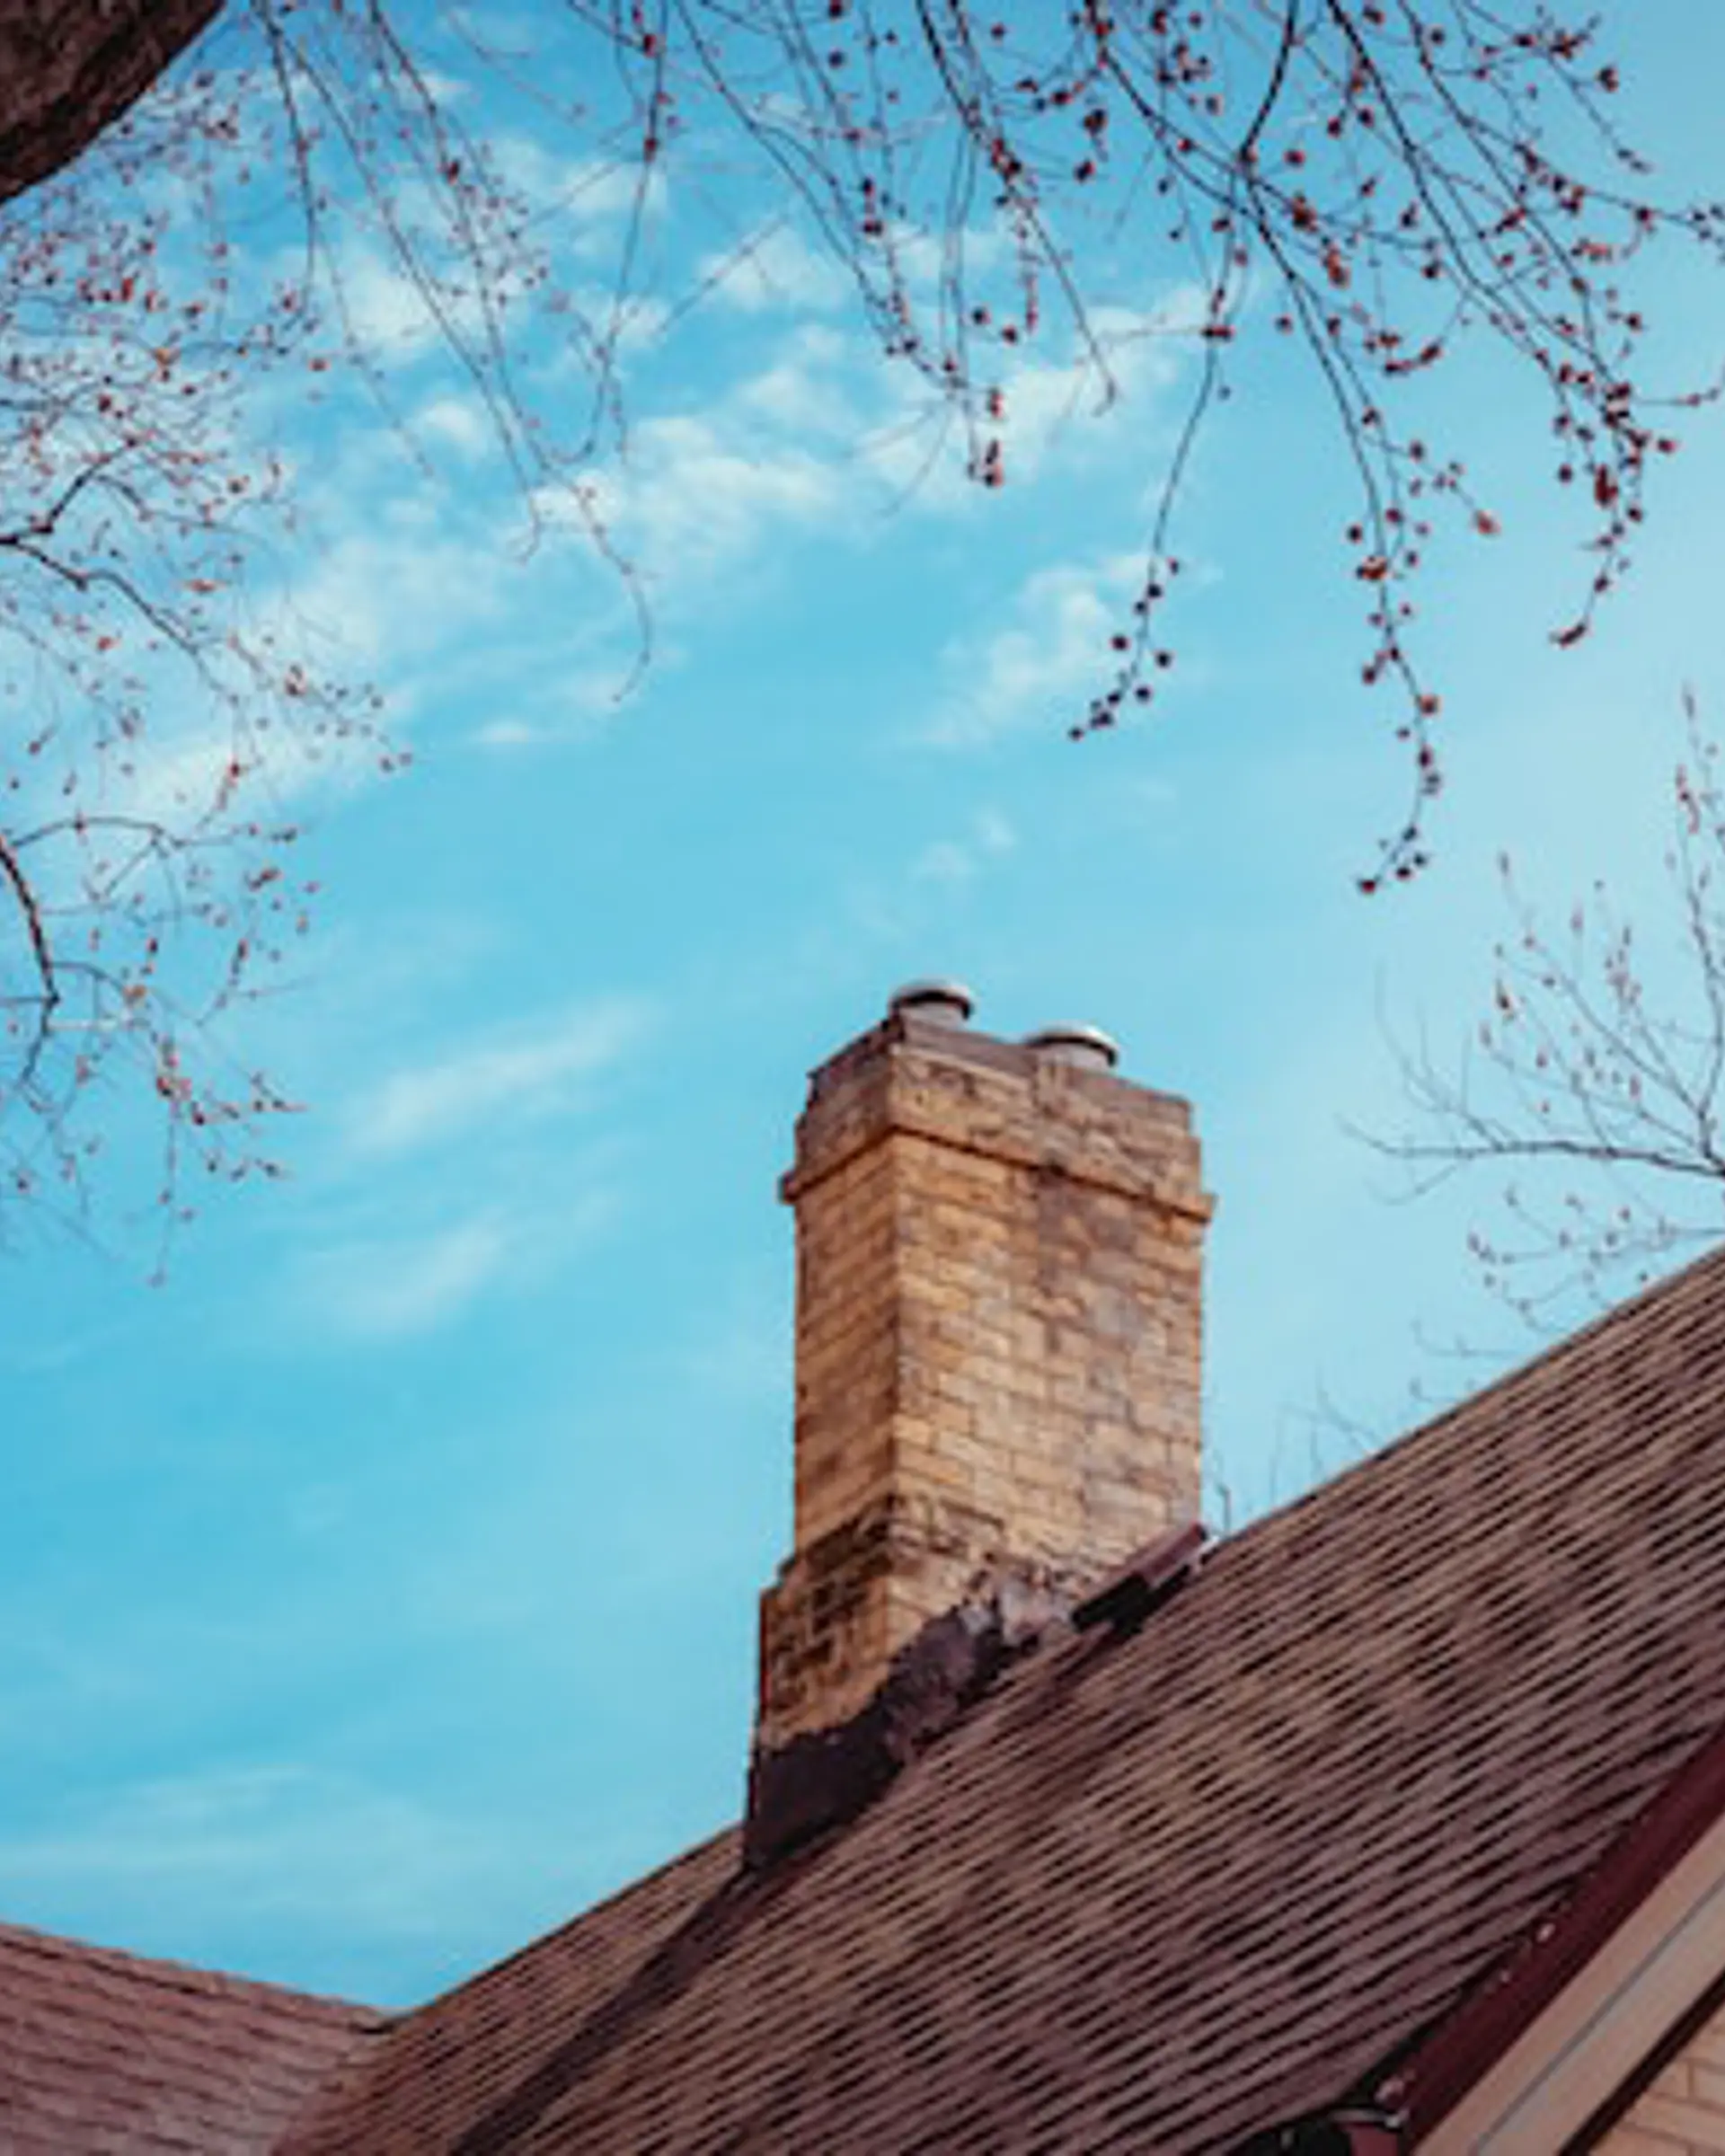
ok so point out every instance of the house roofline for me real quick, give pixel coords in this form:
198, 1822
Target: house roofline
1465, 2044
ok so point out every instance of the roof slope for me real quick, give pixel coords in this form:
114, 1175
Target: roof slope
99, 2050
1156, 1892
491, 2037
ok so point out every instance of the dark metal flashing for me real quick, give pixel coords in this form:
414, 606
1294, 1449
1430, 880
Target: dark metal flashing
1342, 2132
1460, 2049
1145, 1582
826, 1777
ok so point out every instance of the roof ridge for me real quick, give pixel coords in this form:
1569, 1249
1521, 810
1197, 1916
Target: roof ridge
189, 1977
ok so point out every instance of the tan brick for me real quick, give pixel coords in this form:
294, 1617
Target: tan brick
1687, 2122
1635, 2141
998, 1330
1683, 2109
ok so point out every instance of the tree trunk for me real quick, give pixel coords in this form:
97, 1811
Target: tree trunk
70, 67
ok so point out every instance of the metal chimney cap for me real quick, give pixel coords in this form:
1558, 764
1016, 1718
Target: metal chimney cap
942, 1002
1085, 1048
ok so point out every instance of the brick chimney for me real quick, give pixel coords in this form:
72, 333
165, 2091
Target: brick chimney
998, 1317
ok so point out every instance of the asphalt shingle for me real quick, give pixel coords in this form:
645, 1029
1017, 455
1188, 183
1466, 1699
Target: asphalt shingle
1159, 1891
104, 2051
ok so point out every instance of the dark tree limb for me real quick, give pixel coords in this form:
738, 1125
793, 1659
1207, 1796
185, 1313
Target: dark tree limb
69, 68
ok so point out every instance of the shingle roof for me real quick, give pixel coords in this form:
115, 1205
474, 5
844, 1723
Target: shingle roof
1159, 1891
105, 2051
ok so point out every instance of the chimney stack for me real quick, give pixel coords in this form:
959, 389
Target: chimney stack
997, 1339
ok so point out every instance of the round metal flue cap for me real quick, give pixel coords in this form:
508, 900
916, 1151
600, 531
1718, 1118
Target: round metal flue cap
942, 1003
1085, 1048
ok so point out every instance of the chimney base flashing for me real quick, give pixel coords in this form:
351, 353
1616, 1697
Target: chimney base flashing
846, 1606
824, 1778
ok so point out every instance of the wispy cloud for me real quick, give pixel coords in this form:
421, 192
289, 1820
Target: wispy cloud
774, 267
389, 1289
935, 881
400, 585
385, 1285
458, 420
524, 1076
589, 196
1062, 406
954, 861
1052, 652
385, 308
254, 1840
185, 778
820, 436
810, 435
702, 492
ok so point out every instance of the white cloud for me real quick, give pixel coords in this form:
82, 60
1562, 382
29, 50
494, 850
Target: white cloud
697, 494
508, 733
816, 436
386, 310
391, 1284
565, 702
591, 196
181, 781
460, 422
390, 1288
394, 587
774, 267
820, 436
955, 862
1041, 667
812, 436
422, 591
925, 887
945, 862
178, 781
525, 1076
255, 1840
1065, 406
804, 388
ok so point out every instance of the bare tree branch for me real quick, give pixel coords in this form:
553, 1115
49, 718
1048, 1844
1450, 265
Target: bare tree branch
1375, 181
1592, 1092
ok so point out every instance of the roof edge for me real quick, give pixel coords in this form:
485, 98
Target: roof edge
627, 1891
191, 1976
1572, 1347
1459, 2049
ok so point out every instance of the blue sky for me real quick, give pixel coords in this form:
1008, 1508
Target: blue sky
381, 1589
